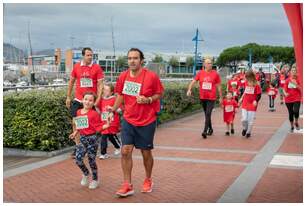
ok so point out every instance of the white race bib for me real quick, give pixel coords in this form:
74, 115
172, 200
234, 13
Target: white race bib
131, 88
81, 122
234, 94
229, 108
86, 82
291, 85
242, 81
283, 81
271, 93
104, 116
234, 83
207, 85
249, 90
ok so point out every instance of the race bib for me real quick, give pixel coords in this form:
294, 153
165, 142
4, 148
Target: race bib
242, 81
234, 83
81, 122
229, 108
283, 81
104, 116
291, 85
207, 85
234, 94
271, 93
131, 88
86, 82
249, 90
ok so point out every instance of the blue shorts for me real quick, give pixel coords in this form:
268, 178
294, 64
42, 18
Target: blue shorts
139, 136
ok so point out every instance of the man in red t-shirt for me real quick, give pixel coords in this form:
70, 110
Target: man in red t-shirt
210, 82
88, 77
140, 90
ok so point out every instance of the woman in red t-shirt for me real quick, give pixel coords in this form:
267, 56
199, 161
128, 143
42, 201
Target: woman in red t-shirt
229, 106
110, 133
293, 96
249, 100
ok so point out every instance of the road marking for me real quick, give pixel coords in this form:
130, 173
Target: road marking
287, 160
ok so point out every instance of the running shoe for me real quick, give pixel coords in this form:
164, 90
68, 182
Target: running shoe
125, 190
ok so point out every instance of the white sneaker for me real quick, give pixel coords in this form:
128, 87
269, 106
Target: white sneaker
117, 152
84, 180
93, 184
106, 156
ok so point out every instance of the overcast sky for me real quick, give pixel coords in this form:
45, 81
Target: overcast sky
150, 27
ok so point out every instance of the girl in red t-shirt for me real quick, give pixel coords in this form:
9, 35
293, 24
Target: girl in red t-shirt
272, 92
293, 97
229, 106
249, 100
88, 123
110, 133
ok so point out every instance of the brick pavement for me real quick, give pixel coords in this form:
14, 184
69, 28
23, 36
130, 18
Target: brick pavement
187, 168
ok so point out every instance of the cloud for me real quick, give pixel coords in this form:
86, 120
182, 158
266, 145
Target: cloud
152, 27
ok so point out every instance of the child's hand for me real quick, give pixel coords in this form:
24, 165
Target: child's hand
72, 136
255, 103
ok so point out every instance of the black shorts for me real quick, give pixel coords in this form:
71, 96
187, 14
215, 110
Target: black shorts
75, 106
139, 136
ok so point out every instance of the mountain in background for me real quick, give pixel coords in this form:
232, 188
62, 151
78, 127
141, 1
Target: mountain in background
12, 54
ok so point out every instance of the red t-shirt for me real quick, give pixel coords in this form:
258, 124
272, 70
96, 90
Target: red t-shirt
250, 94
229, 107
115, 123
233, 82
88, 123
242, 80
282, 80
272, 92
87, 78
294, 94
147, 83
208, 84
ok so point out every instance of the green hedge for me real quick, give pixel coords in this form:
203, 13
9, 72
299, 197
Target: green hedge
39, 120
36, 120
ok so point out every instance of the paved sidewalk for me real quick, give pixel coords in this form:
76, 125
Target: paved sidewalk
265, 168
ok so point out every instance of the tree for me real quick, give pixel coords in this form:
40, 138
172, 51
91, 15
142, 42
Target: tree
158, 59
260, 53
122, 62
189, 61
174, 62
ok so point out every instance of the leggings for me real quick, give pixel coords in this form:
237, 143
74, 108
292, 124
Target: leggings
114, 140
88, 145
271, 102
247, 119
208, 106
294, 110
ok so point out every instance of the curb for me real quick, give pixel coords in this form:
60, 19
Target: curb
29, 153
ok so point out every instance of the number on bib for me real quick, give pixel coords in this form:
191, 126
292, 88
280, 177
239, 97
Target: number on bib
271, 93
81, 122
229, 108
249, 90
131, 88
86, 82
291, 85
207, 85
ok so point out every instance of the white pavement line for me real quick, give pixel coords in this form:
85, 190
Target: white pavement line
237, 130
35, 165
243, 186
205, 149
286, 160
180, 159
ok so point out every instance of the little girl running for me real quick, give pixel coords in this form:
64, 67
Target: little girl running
249, 100
229, 105
88, 123
111, 132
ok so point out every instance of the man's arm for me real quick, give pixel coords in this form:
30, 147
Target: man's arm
118, 102
99, 91
70, 86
